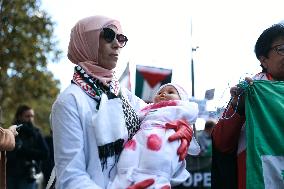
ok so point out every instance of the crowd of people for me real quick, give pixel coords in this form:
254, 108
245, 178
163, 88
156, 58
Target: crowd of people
103, 136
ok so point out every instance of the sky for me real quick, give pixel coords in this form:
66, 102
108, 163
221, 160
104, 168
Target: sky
162, 33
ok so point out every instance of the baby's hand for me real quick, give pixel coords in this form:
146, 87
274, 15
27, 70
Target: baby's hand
184, 132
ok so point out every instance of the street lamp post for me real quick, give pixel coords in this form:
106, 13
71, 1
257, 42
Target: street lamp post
192, 71
192, 81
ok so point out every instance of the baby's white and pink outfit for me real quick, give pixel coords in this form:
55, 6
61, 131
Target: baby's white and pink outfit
149, 154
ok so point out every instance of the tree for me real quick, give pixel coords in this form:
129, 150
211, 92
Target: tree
27, 43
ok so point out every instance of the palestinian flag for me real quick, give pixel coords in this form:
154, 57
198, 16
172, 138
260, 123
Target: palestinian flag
265, 135
149, 79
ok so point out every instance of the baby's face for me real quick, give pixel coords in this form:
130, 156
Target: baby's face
166, 93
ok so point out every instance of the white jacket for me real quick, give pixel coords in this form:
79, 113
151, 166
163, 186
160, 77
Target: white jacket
77, 163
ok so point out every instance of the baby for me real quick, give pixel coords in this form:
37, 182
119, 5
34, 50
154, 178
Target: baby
149, 154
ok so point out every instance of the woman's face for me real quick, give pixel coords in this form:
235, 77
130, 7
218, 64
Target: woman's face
275, 62
109, 50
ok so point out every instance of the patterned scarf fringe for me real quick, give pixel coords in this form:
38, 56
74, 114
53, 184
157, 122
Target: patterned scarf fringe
110, 149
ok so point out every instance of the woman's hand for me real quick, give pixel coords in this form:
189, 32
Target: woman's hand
13, 129
184, 132
143, 184
238, 101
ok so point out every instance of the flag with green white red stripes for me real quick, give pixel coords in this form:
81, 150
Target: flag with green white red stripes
149, 79
265, 135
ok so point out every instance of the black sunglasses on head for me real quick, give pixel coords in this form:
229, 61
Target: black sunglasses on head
109, 35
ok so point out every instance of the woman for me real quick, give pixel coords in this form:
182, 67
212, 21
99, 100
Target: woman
229, 135
7, 143
93, 117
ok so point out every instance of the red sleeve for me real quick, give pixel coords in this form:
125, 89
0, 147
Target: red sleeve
226, 133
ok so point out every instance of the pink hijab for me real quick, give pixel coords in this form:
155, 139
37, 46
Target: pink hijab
84, 46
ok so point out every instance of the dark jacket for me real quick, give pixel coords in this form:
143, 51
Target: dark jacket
223, 170
30, 150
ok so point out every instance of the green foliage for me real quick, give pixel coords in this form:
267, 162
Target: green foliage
27, 42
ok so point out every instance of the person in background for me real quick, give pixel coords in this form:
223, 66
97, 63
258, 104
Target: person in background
93, 117
204, 138
23, 163
7, 143
229, 133
149, 154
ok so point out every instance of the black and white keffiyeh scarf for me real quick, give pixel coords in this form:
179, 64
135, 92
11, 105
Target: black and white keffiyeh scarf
95, 89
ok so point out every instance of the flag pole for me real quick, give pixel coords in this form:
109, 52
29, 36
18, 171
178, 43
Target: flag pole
192, 71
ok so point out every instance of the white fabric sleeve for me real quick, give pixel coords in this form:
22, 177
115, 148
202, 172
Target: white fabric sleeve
68, 136
136, 102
